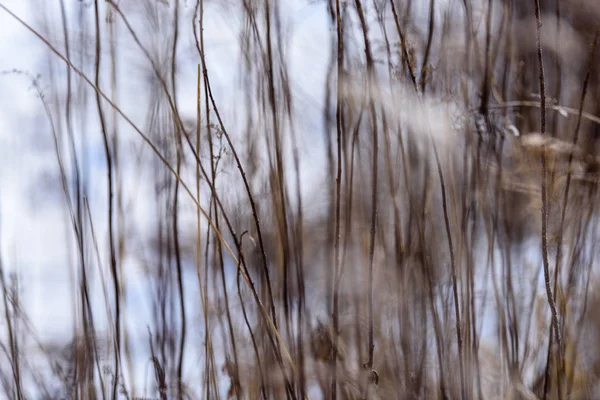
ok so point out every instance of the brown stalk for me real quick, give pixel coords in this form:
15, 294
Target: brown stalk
373, 378
338, 182
544, 161
109, 166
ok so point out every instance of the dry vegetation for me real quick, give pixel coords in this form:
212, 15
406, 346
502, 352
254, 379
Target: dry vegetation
445, 250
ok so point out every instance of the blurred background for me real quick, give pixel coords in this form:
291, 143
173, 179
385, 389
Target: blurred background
341, 199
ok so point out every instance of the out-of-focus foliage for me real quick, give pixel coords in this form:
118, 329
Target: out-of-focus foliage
349, 199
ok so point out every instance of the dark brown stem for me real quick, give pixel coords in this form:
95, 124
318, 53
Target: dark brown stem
109, 168
375, 169
544, 161
338, 186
